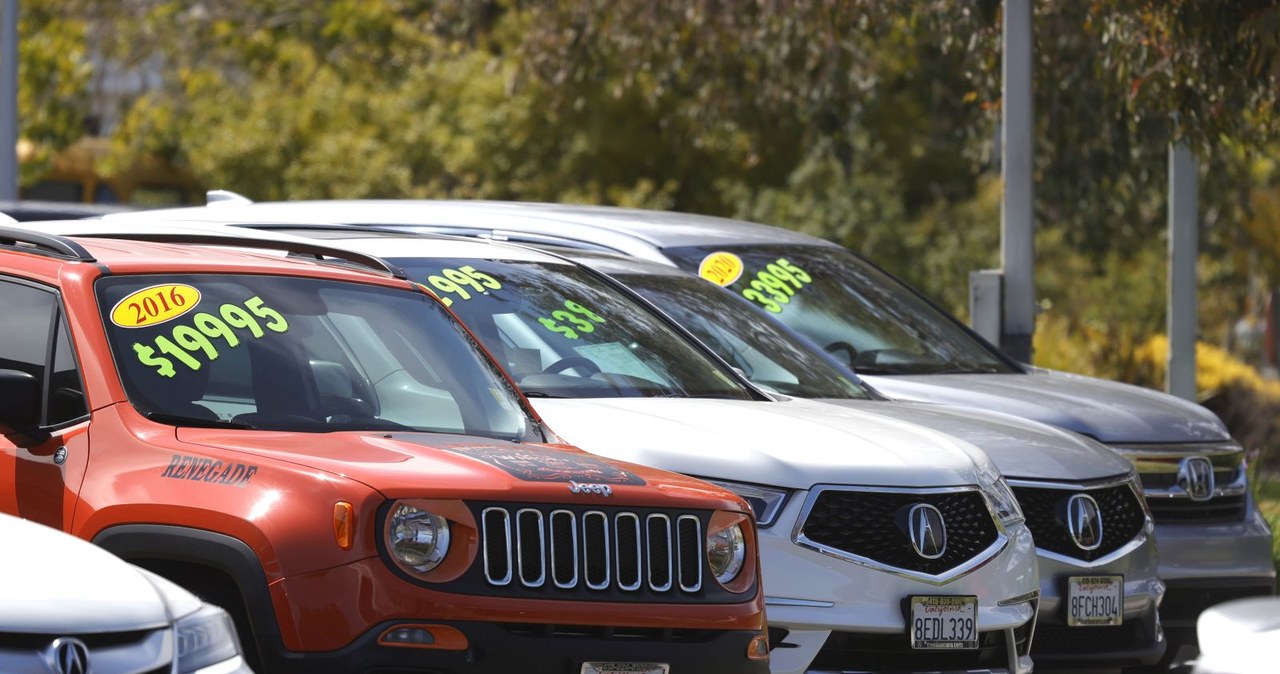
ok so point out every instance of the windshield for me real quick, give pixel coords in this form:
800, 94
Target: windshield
301, 354
856, 312
763, 350
563, 333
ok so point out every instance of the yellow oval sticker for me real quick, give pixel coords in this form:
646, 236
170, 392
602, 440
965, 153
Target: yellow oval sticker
154, 305
721, 268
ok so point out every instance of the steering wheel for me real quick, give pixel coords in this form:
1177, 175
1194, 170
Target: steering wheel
851, 354
572, 361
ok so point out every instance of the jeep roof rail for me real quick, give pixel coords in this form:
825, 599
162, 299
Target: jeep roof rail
299, 248
44, 244
225, 198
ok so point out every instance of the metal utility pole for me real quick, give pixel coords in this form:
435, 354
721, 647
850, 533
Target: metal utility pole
1184, 185
1017, 227
9, 100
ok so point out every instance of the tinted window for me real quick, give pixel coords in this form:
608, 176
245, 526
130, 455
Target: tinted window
564, 333
284, 353
855, 311
764, 351
66, 393
26, 328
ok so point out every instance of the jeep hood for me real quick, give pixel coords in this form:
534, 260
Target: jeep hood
59, 584
1111, 412
793, 443
1020, 448
434, 465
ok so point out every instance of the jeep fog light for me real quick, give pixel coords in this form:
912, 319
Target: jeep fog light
417, 538
726, 550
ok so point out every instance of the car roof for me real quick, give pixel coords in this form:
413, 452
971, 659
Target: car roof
601, 224
383, 244
132, 256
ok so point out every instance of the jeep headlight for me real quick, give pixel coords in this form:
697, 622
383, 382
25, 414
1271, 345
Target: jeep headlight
1002, 501
206, 637
726, 551
418, 539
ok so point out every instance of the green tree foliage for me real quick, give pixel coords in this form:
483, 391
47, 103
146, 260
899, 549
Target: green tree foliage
53, 74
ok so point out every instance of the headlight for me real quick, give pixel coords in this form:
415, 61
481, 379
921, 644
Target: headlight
417, 538
1003, 502
765, 502
726, 550
205, 638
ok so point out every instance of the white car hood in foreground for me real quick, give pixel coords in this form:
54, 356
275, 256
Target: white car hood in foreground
1109, 411
794, 444
1020, 448
1239, 637
58, 584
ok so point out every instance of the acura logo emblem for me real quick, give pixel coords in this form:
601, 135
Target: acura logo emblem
1084, 521
1195, 476
67, 655
927, 531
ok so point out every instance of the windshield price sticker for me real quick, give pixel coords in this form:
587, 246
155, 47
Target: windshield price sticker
625, 668
944, 623
775, 285
582, 320
190, 344
721, 268
463, 283
1095, 601
154, 305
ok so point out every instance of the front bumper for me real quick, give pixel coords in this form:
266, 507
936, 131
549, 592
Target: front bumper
828, 614
1137, 640
1205, 564
501, 648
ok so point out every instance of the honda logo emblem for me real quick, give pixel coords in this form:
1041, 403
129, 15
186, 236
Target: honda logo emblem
1195, 476
1084, 521
927, 530
67, 655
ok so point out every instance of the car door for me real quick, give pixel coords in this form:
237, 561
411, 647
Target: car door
42, 468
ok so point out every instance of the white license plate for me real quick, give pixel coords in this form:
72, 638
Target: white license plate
625, 668
1094, 601
949, 623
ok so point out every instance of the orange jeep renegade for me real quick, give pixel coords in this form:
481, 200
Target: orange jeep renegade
327, 453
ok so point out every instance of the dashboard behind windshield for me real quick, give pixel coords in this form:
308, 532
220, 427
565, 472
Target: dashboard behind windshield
856, 312
301, 354
564, 333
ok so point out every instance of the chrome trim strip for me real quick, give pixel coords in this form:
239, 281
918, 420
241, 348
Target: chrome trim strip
542, 548
617, 550
807, 603
604, 549
698, 545
1102, 483
506, 537
1020, 599
666, 525
561, 515
973, 564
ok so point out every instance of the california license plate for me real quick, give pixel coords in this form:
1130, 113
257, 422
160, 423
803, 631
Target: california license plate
949, 623
625, 668
1094, 601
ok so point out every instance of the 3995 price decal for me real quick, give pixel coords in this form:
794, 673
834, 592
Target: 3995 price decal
582, 320
463, 282
190, 344
775, 285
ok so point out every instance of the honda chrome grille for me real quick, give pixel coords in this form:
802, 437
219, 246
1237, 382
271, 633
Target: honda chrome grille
593, 549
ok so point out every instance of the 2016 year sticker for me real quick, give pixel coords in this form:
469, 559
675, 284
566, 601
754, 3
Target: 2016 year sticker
154, 305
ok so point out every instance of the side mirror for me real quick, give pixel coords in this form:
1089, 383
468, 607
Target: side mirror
19, 400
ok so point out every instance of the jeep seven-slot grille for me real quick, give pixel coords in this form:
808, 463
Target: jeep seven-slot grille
1046, 512
613, 553
873, 525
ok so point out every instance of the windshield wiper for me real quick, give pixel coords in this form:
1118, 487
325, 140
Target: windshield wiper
195, 422
539, 394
